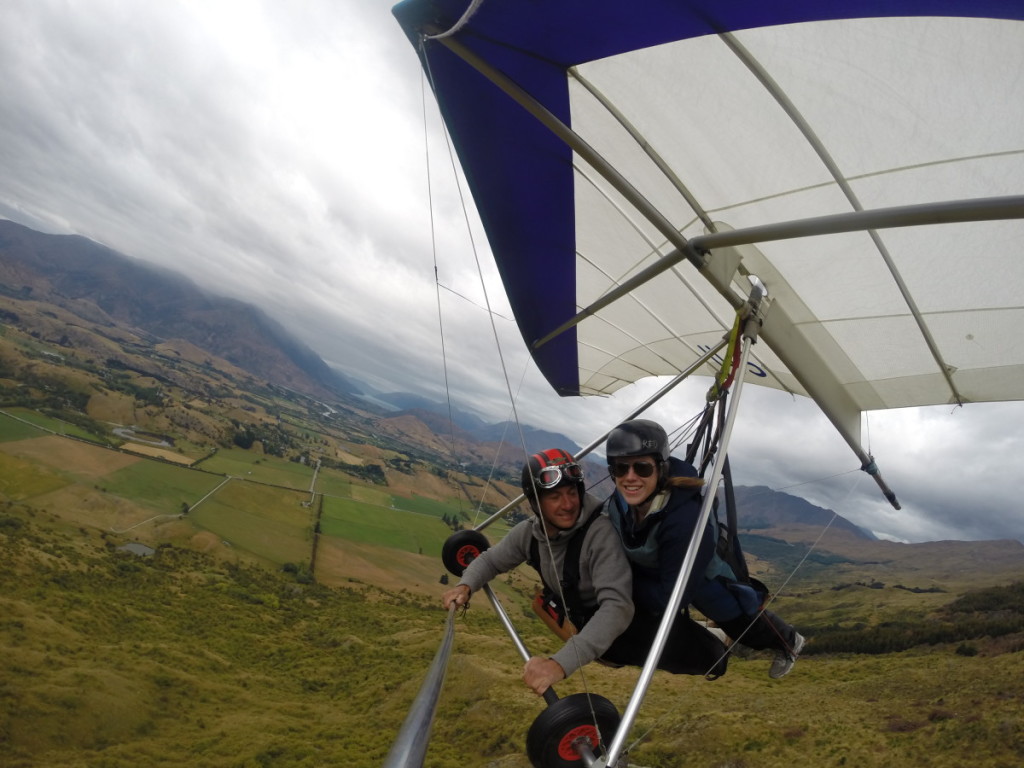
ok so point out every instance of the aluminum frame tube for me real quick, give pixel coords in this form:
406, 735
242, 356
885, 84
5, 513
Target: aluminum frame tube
410, 747
675, 601
690, 370
949, 212
596, 160
506, 622
549, 695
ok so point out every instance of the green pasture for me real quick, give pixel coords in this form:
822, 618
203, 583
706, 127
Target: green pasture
331, 482
249, 465
162, 487
377, 496
425, 506
269, 522
21, 479
383, 526
12, 429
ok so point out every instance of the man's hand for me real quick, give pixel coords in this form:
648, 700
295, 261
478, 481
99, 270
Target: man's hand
540, 674
458, 595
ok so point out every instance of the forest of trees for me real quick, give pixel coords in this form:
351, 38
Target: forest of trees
992, 612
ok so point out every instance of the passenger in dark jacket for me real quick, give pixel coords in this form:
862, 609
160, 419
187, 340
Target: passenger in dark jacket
655, 508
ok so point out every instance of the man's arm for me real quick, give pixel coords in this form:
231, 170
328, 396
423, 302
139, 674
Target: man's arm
503, 556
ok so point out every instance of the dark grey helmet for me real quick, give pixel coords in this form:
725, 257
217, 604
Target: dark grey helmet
639, 437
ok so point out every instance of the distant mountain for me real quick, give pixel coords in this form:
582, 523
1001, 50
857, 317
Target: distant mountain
439, 417
761, 507
108, 288
535, 439
406, 401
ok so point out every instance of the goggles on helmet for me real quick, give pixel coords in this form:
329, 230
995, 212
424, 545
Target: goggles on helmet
641, 468
549, 477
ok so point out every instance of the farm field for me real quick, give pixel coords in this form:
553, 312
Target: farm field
12, 423
331, 482
250, 516
268, 522
368, 523
161, 487
259, 468
157, 453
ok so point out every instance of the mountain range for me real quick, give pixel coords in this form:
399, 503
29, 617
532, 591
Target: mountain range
106, 288
122, 313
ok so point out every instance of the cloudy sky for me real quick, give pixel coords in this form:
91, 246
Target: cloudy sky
278, 153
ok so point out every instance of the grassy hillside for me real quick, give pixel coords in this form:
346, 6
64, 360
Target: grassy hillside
183, 659
214, 652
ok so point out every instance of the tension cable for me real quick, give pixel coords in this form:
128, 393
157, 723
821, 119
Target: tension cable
504, 369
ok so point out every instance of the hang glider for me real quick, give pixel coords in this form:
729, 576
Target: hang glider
867, 168
639, 166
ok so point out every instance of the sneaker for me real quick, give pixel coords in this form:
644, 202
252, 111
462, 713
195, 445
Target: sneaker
784, 660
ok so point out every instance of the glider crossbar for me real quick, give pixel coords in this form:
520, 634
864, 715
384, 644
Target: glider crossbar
689, 560
693, 367
946, 212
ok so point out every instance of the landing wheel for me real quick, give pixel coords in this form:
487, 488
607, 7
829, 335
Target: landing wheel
551, 740
461, 549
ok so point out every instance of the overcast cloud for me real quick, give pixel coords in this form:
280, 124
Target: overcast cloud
275, 152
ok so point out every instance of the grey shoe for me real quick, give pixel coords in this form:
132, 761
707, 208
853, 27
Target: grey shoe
784, 660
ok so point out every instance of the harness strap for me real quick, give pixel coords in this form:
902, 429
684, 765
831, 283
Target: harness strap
577, 612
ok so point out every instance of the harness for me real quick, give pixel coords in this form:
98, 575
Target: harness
578, 613
728, 552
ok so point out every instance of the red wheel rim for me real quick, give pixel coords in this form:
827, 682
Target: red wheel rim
467, 554
565, 748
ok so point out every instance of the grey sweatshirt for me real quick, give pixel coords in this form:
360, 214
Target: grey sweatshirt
605, 578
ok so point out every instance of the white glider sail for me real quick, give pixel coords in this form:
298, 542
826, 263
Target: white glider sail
600, 138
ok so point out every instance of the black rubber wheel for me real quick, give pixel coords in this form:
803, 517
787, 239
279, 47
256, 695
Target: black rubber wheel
549, 743
461, 549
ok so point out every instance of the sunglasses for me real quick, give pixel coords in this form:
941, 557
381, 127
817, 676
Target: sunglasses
549, 477
641, 468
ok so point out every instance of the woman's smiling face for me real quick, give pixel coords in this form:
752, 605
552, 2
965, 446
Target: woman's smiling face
634, 488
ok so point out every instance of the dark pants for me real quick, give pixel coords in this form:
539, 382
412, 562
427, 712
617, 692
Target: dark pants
690, 650
736, 608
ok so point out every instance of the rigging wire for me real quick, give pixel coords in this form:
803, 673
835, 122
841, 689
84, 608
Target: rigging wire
470, 301
504, 370
438, 285
774, 594
497, 452
437, 282
428, 74
835, 515
476, 258
818, 479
